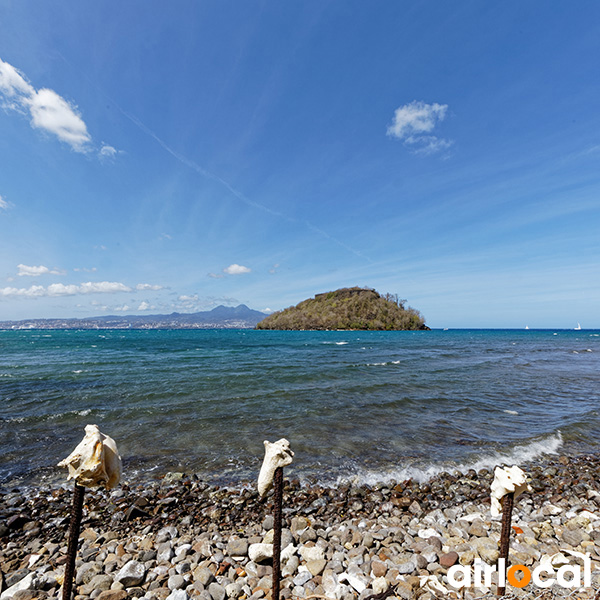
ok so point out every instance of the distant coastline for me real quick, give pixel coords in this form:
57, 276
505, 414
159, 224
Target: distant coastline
221, 317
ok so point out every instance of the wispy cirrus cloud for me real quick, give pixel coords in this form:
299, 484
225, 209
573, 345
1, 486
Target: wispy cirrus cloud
3, 204
48, 110
27, 271
413, 124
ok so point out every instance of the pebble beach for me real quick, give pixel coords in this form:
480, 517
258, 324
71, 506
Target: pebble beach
180, 538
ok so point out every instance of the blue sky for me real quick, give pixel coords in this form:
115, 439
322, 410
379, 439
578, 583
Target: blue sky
173, 156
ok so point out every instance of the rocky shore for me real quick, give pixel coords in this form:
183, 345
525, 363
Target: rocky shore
178, 538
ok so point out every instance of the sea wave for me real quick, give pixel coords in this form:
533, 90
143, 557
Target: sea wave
49, 417
518, 454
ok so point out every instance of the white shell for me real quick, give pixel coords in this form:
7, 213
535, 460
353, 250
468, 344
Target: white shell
95, 461
277, 454
506, 480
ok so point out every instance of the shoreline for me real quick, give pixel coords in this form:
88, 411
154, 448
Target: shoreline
192, 539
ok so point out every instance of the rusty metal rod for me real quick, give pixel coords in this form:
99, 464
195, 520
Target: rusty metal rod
76, 512
278, 498
508, 501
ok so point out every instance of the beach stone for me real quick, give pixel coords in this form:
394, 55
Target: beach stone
216, 591
165, 534
86, 573
112, 595
181, 552
260, 552
26, 583
176, 582
290, 567
316, 567
29, 595
358, 582
178, 595
449, 559
379, 585
98, 582
477, 528
573, 537
302, 578
378, 568
298, 524
237, 547
489, 555
286, 537
164, 552
131, 574
368, 540
233, 590
309, 553
308, 535
403, 590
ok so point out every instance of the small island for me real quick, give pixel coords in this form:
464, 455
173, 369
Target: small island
353, 308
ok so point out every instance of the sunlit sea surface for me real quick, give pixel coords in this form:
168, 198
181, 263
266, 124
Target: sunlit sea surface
364, 406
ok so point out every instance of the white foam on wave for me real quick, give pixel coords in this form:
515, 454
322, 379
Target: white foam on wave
510, 412
514, 456
384, 364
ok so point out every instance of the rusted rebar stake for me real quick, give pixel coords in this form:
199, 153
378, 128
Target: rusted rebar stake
76, 512
278, 499
507, 507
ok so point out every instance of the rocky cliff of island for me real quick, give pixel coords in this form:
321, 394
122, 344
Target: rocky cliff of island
348, 308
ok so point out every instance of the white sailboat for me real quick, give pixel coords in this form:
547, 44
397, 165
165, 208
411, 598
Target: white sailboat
578, 328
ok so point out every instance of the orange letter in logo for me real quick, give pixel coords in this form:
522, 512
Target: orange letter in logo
516, 582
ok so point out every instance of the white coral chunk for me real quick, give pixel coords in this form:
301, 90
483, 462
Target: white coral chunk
507, 480
95, 461
277, 454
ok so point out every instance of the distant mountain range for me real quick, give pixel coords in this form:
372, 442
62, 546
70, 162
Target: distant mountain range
221, 317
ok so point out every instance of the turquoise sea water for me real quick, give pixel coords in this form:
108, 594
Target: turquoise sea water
362, 405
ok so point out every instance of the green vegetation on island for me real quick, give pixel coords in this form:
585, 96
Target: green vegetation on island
348, 308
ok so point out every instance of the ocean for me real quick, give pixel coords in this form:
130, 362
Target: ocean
360, 406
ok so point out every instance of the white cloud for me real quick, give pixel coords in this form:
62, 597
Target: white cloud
413, 121
12, 83
107, 151
184, 298
26, 271
3, 203
92, 270
123, 308
148, 286
215, 275
144, 306
236, 269
48, 110
60, 289
53, 113
103, 287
